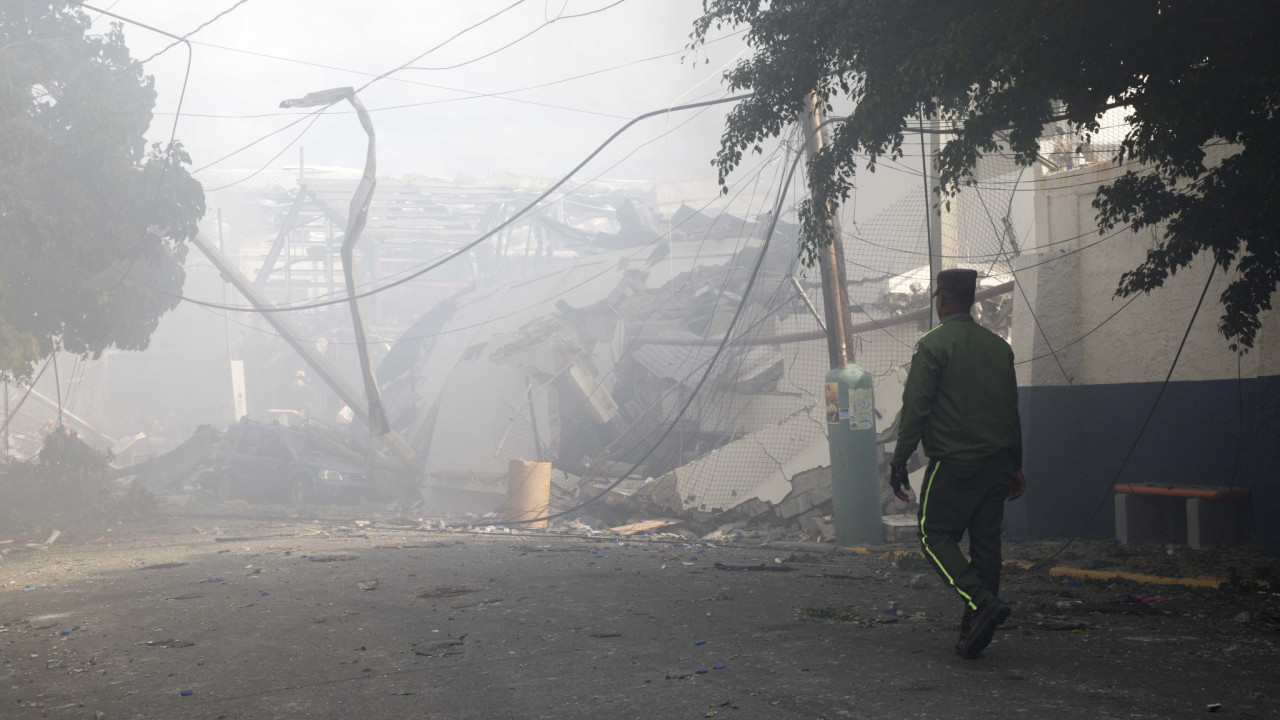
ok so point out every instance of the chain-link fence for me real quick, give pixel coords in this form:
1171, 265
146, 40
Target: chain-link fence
759, 420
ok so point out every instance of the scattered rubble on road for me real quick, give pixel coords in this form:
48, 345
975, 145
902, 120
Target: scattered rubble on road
67, 487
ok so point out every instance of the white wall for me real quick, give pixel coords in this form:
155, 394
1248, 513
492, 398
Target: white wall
1073, 292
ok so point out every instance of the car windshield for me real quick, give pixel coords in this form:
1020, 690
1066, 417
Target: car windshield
310, 446
300, 445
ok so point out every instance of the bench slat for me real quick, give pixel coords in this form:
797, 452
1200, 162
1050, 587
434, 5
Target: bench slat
1203, 493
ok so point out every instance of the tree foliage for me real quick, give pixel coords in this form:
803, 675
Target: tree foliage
1190, 75
92, 220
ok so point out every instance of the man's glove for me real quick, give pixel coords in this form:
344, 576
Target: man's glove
899, 481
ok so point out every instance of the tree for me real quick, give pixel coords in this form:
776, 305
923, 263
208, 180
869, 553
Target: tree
92, 220
1189, 75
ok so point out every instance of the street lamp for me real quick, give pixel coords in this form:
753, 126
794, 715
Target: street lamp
356, 219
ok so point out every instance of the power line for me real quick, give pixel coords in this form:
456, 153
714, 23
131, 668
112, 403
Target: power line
173, 133
446, 41
1094, 329
255, 173
1021, 290
375, 79
241, 149
522, 37
566, 291
468, 246
321, 111
202, 26
30, 388
715, 308
1142, 429
469, 94
755, 271
527, 210
539, 209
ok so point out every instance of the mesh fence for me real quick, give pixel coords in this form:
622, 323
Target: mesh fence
1069, 148
643, 325
759, 420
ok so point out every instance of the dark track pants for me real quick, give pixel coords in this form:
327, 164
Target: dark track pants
954, 500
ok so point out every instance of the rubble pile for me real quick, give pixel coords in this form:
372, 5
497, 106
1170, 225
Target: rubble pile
68, 485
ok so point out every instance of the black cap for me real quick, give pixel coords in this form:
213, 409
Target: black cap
957, 280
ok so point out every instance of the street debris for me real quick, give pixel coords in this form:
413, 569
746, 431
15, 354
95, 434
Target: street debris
844, 615
167, 643
762, 567
70, 483
163, 566
448, 591
443, 649
643, 526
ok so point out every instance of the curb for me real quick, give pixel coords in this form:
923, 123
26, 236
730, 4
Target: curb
1069, 572
1080, 573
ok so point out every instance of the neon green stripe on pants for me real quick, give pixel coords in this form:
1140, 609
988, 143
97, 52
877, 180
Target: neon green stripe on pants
924, 538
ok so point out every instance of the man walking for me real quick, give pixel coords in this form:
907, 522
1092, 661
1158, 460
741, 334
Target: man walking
961, 400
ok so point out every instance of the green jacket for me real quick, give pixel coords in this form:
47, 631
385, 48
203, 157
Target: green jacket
961, 397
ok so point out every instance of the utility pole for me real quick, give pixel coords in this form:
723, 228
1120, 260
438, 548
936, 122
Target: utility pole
835, 294
849, 391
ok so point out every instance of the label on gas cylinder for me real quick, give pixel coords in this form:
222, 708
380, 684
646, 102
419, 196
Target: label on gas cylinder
861, 409
833, 403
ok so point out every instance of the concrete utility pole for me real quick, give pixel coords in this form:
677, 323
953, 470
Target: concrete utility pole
835, 295
356, 219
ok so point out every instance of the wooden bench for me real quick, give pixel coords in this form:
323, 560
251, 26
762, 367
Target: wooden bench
1149, 512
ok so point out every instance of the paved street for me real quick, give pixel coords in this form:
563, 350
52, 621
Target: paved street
294, 618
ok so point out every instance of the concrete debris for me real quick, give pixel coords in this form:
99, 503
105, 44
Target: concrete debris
70, 483
644, 526
903, 528
726, 533
176, 466
924, 581
817, 529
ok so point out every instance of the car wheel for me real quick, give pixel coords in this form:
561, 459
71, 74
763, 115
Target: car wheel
299, 491
222, 487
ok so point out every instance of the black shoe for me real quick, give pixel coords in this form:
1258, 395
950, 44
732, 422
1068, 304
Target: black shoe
966, 623
992, 612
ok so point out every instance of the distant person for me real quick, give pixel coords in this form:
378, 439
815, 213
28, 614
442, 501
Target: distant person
302, 396
961, 399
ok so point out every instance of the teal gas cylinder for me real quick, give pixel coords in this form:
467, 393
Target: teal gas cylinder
855, 473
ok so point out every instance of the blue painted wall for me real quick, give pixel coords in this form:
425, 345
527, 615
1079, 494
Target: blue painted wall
1075, 438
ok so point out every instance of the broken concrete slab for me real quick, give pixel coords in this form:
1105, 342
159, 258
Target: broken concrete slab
800, 503
816, 528
901, 528
644, 526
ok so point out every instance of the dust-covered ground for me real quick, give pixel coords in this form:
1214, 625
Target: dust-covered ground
217, 614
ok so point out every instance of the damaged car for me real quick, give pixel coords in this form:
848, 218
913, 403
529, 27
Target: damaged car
275, 463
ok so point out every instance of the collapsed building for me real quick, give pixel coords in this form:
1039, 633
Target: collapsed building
585, 333
599, 358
